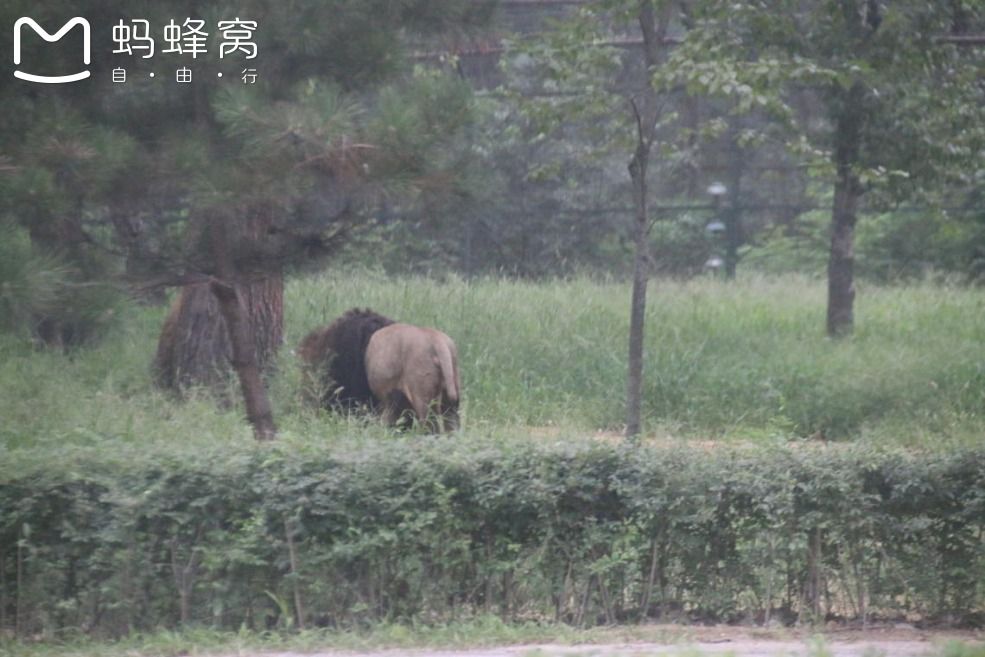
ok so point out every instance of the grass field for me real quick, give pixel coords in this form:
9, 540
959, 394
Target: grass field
743, 361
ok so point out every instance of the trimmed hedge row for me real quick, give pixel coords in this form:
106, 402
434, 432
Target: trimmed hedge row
432, 529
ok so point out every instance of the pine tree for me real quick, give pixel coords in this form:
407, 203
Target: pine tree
217, 186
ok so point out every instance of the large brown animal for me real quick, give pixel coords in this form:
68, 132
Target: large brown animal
364, 360
334, 360
410, 368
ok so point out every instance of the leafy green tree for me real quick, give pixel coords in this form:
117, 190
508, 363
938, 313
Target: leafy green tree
572, 63
901, 106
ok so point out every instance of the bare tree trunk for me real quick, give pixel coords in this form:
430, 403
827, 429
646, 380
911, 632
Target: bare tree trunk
844, 215
3, 592
194, 349
646, 114
813, 586
19, 602
184, 576
244, 360
637, 316
296, 576
242, 340
234, 319
769, 581
650, 580
733, 213
506, 606
130, 230
841, 261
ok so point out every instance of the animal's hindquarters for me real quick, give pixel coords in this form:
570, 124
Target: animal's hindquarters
420, 363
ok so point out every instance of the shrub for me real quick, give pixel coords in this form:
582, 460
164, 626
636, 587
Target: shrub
436, 529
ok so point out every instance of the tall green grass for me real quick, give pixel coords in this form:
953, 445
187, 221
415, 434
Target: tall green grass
746, 360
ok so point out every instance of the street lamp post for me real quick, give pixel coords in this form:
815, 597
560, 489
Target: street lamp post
716, 227
727, 224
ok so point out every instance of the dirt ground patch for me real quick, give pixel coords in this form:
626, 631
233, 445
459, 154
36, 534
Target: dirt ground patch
676, 641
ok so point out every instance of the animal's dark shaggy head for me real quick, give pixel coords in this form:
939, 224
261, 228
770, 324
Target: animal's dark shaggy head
334, 358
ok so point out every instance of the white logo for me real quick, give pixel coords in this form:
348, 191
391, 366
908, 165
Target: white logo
50, 38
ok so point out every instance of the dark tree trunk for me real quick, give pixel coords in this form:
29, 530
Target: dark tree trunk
235, 319
844, 215
646, 113
733, 213
841, 261
131, 233
637, 316
194, 347
242, 336
244, 359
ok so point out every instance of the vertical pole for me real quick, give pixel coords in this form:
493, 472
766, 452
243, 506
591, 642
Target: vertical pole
733, 210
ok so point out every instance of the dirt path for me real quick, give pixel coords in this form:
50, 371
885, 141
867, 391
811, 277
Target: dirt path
710, 642
743, 648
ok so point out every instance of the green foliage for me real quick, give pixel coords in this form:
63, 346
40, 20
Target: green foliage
917, 103
418, 134
681, 247
904, 244
479, 631
955, 649
569, 69
799, 248
114, 180
36, 286
30, 283
431, 529
589, 106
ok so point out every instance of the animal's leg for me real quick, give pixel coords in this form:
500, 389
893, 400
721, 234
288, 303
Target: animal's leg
395, 408
421, 409
428, 405
433, 417
449, 414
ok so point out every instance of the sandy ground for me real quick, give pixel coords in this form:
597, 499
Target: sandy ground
737, 649
890, 641
741, 648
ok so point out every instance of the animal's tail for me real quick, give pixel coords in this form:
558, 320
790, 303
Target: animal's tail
448, 362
